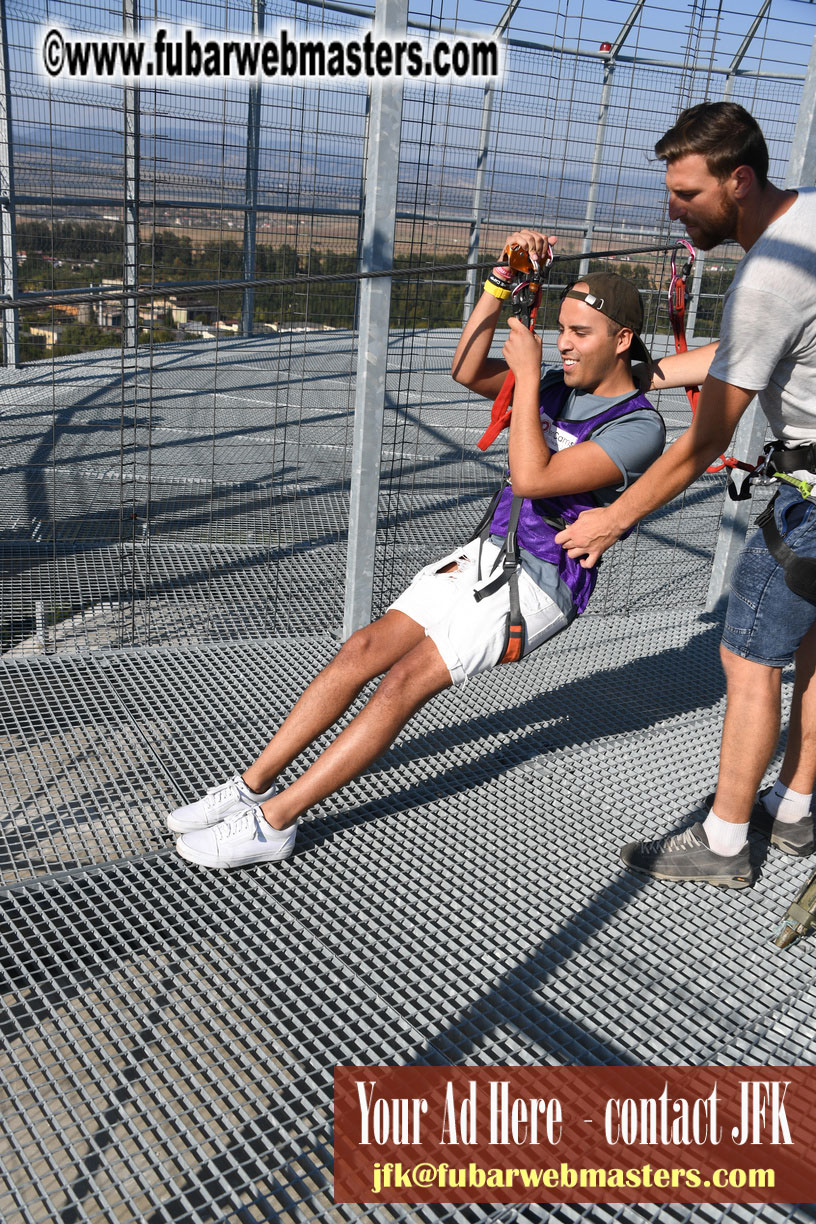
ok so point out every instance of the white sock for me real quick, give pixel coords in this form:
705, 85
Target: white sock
787, 805
724, 837
253, 794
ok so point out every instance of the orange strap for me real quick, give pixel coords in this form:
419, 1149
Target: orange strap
500, 412
520, 262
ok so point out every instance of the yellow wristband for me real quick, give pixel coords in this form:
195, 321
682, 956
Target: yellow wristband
501, 294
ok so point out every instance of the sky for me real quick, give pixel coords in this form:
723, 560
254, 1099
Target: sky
707, 28
544, 120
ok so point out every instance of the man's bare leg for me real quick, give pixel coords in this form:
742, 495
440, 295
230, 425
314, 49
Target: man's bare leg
714, 851
749, 736
368, 653
412, 680
798, 770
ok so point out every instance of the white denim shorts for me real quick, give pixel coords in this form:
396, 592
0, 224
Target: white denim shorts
468, 633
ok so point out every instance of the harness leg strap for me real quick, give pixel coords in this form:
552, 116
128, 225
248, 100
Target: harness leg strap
513, 648
800, 572
514, 636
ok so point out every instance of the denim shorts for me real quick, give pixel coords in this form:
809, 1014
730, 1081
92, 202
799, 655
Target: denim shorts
765, 621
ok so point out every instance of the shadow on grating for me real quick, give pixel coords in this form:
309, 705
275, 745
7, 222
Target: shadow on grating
172, 1032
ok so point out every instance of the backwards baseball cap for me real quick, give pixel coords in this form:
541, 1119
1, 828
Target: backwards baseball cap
618, 299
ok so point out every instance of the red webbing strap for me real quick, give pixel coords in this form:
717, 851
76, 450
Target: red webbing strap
499, 413
677, 311
502, 405
677, 316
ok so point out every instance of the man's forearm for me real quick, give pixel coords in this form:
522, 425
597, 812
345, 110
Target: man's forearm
668, 476
471, 363
594, 531
683, 369
720, 408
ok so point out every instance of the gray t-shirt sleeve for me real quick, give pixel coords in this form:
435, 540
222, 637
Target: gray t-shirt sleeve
758, 329
633, 443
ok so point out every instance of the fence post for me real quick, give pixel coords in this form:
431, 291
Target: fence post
9, 326
130, 277
748, 442
802, 164
474, 238
251, 180
382, 167
600, 133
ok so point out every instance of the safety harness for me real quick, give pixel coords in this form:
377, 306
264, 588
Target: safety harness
507, 564
776, 463
510, 560
782, 465
533, 523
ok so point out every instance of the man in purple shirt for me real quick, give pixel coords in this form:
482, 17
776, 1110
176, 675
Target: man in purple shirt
576, 439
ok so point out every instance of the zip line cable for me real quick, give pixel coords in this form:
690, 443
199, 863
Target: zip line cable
69, 296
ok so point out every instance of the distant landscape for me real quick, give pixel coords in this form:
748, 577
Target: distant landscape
191, 229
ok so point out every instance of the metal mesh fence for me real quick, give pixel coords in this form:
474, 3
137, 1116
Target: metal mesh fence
182, 483
177, 465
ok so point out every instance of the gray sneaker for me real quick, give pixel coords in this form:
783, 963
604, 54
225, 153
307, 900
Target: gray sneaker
218, 803
794, 838
688, 856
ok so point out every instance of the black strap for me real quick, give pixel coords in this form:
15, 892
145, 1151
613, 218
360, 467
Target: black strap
791, 459
739, 485
778, 459
508, 573
514, 634
508, 556
557, 521
800, 572
511, 552
481, 531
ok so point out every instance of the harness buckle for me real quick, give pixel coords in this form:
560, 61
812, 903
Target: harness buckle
792, 465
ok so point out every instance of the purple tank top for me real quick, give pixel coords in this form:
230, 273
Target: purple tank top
534, 533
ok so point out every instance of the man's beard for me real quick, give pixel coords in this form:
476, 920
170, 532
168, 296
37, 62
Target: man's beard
719, 228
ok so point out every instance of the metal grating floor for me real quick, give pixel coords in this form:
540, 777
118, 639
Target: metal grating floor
171, 1033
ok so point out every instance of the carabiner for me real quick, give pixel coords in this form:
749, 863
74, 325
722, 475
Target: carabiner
677, 287
526, 293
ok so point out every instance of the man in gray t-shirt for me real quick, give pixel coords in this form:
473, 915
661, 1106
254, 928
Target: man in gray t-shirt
768, 341
716, 175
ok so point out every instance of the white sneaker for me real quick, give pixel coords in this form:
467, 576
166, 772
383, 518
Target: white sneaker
229, 799
238, 841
